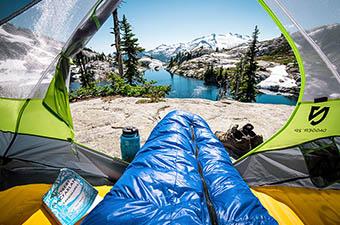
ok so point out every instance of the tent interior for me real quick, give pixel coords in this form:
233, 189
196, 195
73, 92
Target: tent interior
295, 174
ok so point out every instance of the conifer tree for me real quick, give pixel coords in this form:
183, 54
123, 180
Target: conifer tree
87, 78
171, 62
80, 61
131, 50
236, 79
209, 75
247, 89
117, 44
223, 82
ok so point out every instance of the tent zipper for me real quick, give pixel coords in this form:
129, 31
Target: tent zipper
211, 209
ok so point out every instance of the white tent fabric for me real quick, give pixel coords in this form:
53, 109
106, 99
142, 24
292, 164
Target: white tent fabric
316, 39
31, 44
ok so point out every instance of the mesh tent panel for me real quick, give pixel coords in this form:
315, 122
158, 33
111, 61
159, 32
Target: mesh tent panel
314, 26
30, 45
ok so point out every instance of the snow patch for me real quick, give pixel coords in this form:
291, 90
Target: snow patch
278, 79
153, 64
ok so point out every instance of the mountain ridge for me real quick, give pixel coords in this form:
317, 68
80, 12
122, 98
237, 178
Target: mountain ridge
209, 42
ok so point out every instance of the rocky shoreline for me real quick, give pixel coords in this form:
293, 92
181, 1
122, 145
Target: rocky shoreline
97, 122
196, 69
272, 54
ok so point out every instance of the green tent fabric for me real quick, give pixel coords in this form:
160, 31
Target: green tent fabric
318, 107
36, 128
283, 159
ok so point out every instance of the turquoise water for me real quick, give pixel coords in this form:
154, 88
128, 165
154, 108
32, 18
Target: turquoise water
184, 87
275, 99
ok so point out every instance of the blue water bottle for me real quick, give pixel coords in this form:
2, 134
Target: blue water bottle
129, 143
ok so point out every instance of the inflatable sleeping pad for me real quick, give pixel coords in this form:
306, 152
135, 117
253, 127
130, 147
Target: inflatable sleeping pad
182, 175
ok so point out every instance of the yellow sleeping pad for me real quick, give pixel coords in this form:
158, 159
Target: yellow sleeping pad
23, 205
289, 206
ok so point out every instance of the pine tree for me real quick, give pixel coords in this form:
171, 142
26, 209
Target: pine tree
102, 56
171, 63
247, 90
223, 82
236, 80
116, 33
220, 74
87, 77
209, 75
131, 50
80, 61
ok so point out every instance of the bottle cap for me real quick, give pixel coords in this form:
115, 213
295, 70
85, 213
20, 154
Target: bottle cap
130, 130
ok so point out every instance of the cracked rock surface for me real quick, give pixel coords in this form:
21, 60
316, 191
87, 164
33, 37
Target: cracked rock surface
98, 122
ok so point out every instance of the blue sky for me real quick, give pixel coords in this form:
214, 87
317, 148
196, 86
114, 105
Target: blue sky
157, 22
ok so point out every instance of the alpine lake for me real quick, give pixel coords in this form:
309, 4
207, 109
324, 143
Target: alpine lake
185, 87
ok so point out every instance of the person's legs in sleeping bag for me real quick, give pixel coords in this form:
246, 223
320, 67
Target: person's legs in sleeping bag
182, 175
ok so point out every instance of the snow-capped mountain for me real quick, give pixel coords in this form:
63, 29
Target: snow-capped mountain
207, 43
23, 44
24, 56
278, 70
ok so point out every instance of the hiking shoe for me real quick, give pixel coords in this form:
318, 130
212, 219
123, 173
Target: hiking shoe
239, 141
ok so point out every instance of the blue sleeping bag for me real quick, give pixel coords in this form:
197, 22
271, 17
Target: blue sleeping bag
182, 175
